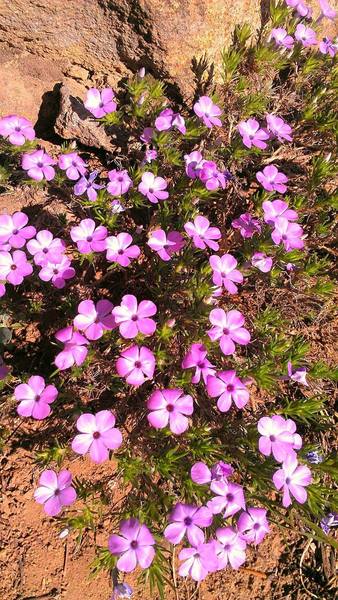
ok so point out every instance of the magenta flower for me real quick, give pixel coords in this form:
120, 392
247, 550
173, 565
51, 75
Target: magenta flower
121, 590
14, 230
202, 234
170, 406
74, 351
100, 103
197, 357
136, 364
38, 165
133, 318
288, 234
55, 491
35, 397
16, 129
167, 119
262, 262
4, 370
186, 519
149, 156
147, 135
2, 292
154, 188
212, 177
277, 208
119, 249
198, 562
228, 328
225, 273
247, 225
282, 38
119, 182
253, 525
298, 375
327, 46
73, 164
14, 267
293, 478
165, 244
97, 435
305, 35
117, 207
230, 548
134, 546
252, 134
58, 271
88, 237
276, 436
229, 497
228, 388
303, 10
193, 164
327, 10
279, 128
272, 180
201, 474
45, 248
209, 112
93, 320
87, 185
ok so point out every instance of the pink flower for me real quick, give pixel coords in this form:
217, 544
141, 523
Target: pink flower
14, 230
288, 234
45, 248
136, 364
247, 225
252, 134
149, 156
38, 165
74, 351
97, 435
170, 406
168, 119
230, 548
35, 397
134, 546
279, 128
87, 185
14, 267
293, 478
119, 249
186, 519
228, 388
2, 291
327, 10
154, 188
196, 357
272, 180
93, 320
119, 182
229, 498
282, 38
58, 271
198, 562
303, 10
212, 177
55, 491
225, 273
193, 164
201, 474
305, 35
202, 234
16, 129
261, 261
73, 164
277, 436
165, 244
228, 328
327, 46
298, 375
4, 370
133, 318
209, 112
88, 237
253, 525
147, 135
277, 208
100, 103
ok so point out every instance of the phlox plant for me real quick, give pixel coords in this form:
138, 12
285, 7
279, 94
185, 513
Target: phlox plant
173, 307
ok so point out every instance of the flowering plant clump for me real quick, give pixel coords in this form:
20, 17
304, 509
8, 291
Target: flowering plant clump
177, 301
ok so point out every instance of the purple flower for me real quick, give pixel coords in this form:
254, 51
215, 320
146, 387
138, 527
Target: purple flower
165, 244
252, 134
277, 208
88, 237
212, 177
120, 182
38, 165
14, 230
2, 293
87, 185
73, 164
16, 129
149, 156
186, 519
303, 10
293, 478
45, 248
74, 351
282, 38
58, 271
197, 357
288, 234
97, 435
134, 546
193, 164
225, 273
253, 525
202, 234
327, 10
4, 370
229, 497
14, 267
136, 364
209, 112
93, 320
314, 457
272, 180
228, 388
305, 35
262, 262
133, 318
119, 249
279, 128
327, 46
201, 474
277, 436
228, 328
35, 397
100, 103
298, 375
168, 119
198, 562
117, 207
247, 225
147, 135
230, 548
55, 491
170, 407
331, 520
121, 590
154, 188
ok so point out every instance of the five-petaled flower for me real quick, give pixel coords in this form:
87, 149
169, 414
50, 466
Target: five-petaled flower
94, 319
228, 388
132, 317
228, 329
202, 234
17, 130
136, 364
97, 436
293, 478
35, 397
208, 112
100, 103
134, 546
170, 407
55, 491
186, 519
154, 188
38, 165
